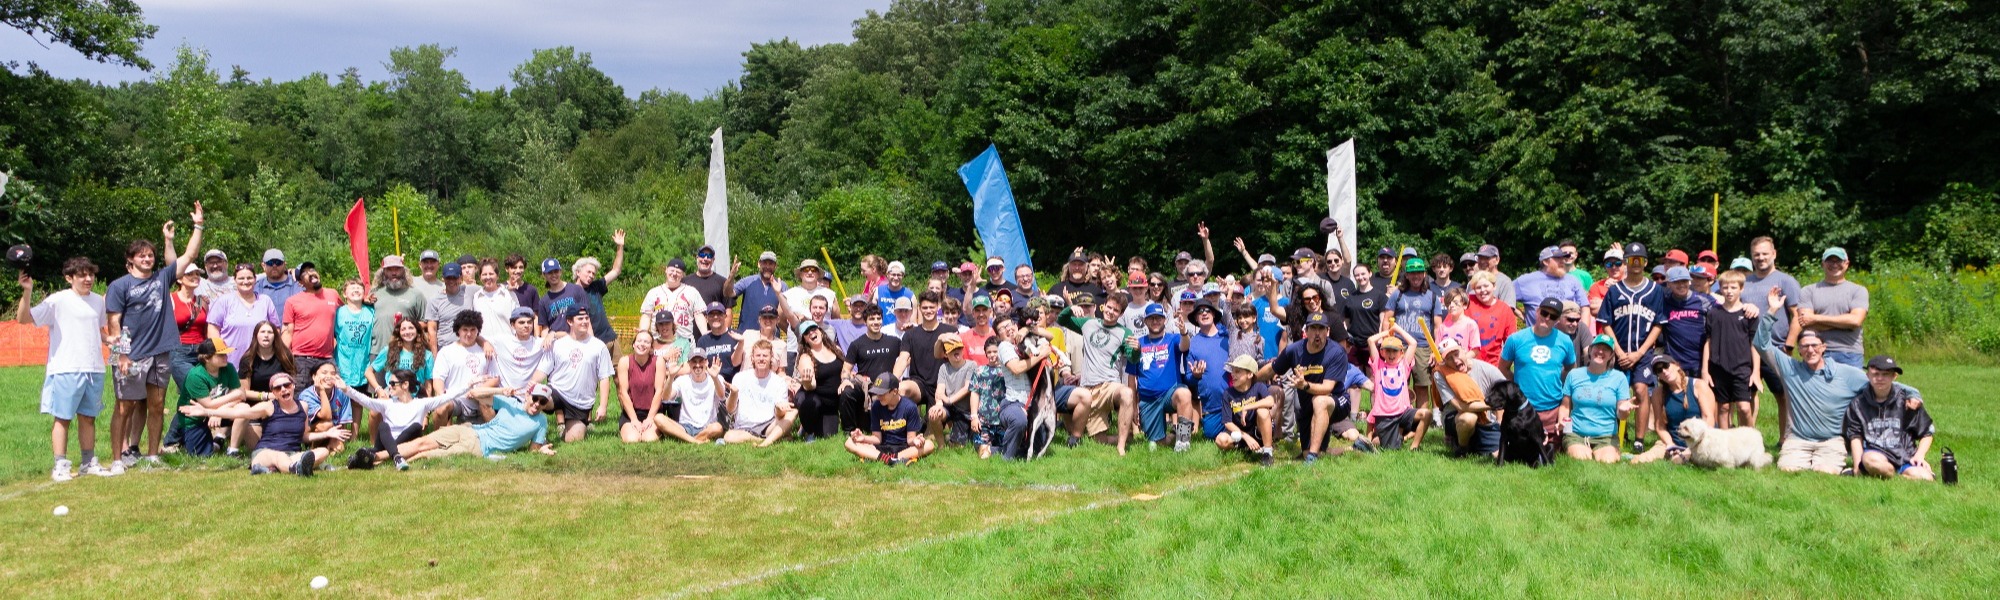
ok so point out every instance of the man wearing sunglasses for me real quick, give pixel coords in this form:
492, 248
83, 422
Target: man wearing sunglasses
710, 285
1632, 312
1552, 282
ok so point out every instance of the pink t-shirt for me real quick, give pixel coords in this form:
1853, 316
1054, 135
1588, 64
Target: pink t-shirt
1465, 330
1392, 386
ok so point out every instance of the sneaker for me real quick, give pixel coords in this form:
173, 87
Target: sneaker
61, 472
259, 470
721, 442
1182, 431
891, 460
363, 460
151, 460
1638, 447
129, 458
92, 468
402, 464
1364, 446
1075, 440
1264, 457
305, 464
233, 453
1312, 457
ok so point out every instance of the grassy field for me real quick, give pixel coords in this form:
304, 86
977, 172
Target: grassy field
801, 520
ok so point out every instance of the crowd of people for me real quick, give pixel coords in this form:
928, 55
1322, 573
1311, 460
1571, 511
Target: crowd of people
471, 357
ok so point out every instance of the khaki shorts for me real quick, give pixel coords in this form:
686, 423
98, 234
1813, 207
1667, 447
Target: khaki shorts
1101, 405
1422, 376
455, 440
1797, 454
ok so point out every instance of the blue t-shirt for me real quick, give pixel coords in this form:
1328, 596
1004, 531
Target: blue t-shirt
1686, 329
886, 299
1593, 400
1159, 364
894, 424
1631, 313
1328, 364
1415, 306
147, 307
1213, 385
511, 428
1532, 288
353, 336
756, 296
1268, 324
1539, 363
558, 301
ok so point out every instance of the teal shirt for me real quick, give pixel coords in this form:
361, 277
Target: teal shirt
511, 427
1593, 400
353, 335
404, 360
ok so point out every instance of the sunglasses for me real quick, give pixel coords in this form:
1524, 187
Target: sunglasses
1613, 263
705, 255
1635, 260
1197, 273
281, 386
1574, 319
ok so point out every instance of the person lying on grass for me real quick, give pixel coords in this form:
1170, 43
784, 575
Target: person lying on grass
402, 418
696, 393
1676, 398
1884, 433
758, 400
1594, 399
1391, 415
893, 436
1250, 406
510, 425
286, 426
329, 404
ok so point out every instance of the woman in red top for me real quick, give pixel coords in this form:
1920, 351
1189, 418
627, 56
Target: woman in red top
1495, 318
191, 320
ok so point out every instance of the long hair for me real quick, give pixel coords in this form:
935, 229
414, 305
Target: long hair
420, 348
279, 351
825, 341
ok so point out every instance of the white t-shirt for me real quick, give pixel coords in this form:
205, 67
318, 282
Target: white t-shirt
756, 399
516, 359
697, 400
494, 308
76, 331
782, 351
400, 416
1017, 383
578, 366
799, 300
684, 302
458, 367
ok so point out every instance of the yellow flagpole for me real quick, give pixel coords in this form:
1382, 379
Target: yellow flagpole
835, 272
396, 221
1715, 225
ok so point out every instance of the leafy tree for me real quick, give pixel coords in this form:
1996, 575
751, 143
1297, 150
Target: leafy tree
432, 123
557, 76
106, 31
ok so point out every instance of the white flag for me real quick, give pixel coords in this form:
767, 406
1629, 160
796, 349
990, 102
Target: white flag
715, 211
1340, 196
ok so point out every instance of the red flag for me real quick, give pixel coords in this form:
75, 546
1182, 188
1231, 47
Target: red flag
357, 238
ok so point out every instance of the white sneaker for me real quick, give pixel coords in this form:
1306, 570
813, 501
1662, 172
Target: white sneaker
128, 459
92, 468
152, 460
61, 472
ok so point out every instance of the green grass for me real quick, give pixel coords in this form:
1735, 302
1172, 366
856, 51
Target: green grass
603, 519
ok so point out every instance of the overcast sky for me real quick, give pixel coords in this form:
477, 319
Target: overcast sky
691, 46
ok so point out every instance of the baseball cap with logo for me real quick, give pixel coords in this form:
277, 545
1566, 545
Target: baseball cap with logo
448, 271
716, 307
1415, 265
883, 384
1155, 309
940, 267
1551, 252
1635, 250
1882, 362
551, 265
1079, 256
1550, 307
1317, 319
1700, 272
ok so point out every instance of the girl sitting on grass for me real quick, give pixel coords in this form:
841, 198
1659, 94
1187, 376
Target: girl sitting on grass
287, 430
328, 401
402, 415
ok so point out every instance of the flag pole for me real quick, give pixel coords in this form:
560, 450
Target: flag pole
830, 269
396, 221
1715, 223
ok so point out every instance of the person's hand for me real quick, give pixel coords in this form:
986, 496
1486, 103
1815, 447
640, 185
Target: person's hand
547, 450
167, 229
1299, 378
1199, 367
977, 424
1750, 310
1807, 318
1625, 359
1915, 402
1775, 299
194, 410
196, 216
340, 434
1201, 229
792, 384
368, 299
598, 416
124, 364
618, 237
27, 283
735, 266
1919, 462
1241, 246
854, 434
1625, 406
673, 354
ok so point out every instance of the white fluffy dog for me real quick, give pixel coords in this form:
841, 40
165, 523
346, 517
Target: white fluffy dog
1732, 448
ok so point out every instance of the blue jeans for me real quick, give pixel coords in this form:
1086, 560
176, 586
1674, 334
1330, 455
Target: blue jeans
1014, 420
194, 441
1852, 359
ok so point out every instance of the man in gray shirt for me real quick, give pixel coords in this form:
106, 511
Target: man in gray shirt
1763, 277
1835, 308
451, 299
1103, 346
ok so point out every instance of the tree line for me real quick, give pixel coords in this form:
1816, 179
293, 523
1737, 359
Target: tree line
1122, 122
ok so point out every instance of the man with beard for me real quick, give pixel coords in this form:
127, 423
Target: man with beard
427, 280
308, 319
759, 291
1076, 280
525, 295
215, 276
140, 309
673, 296
561, 297
441, 310
277, 282
394, 297
712, 286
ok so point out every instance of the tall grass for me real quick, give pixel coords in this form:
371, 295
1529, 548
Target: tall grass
1930, 314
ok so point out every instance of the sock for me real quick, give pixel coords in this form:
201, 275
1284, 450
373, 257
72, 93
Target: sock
89, 456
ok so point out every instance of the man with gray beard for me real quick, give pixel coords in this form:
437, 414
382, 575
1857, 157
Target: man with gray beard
394, 296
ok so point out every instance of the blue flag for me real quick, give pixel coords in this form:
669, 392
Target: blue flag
993, 211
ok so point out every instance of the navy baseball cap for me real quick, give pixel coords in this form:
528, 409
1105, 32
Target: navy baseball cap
551, 265
884, 383
1317, 319
449, 270
716, 307
940, 266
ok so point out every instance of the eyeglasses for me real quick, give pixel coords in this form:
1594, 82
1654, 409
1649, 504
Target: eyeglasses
1613, 263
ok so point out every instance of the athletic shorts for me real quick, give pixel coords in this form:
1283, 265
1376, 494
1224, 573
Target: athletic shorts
1153, 412
1729, 387
66, 395
1591, 442
570, 412
1212, 424
154, 371
756, 429
455, 440
1062, 394
1641, 372
1389, 429
1485, 439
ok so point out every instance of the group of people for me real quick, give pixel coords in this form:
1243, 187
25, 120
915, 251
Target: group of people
469, 357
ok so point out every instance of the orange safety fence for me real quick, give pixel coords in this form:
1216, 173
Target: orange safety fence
28, 345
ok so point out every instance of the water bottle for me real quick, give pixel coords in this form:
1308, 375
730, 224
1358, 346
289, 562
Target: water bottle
1948, 468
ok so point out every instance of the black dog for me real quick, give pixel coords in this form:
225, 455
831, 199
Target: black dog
1521, 439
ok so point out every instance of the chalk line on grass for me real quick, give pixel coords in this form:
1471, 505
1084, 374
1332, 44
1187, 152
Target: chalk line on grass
23, 492
1036, 518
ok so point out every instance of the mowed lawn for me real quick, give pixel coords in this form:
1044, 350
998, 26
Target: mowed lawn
607, 520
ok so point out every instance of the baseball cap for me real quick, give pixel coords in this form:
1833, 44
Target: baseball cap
967, 267
1660, 271
1154, 309
192, 268
1392, 343
1448, 345
540, 390
1002, 292
1700, 272
1551, 252
274, 255
1266, 259
1635, 250
807, 325
574, 311
427, 255
856, 299
1317, 319
1571, 307
1834, 252
520, 311
767, 255
1415, 265
1303, 253
303, 266
449, 270
467, 258
902, 303
1082, 299
1707, 256
1467, 257
1614, 252
1409, 252
947, 343
551, 265
1079, 256
1661, 360
1183, 256
768, 311
884, 383
1189, 296
1243, 362
280, 379
995, 261
716, 307
216, 253
1677, 255
940, 266
895, 267
1385, 251
221, 346
1882, 362
393, 261
809, 264
1740, 263
665, 316
1603, 339
676, 263
1678, 274
1488, 251
1328, 225
1210, 288
982, 302
1549, 305
705, 248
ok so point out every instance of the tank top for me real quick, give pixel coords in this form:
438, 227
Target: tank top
641, 384
826, 377
1681, 407
283, 431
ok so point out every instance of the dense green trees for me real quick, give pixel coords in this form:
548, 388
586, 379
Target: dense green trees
1123, 122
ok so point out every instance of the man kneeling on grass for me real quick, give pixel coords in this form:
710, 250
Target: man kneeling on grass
1250, 406
1886, 436
286, 426
513, 424
892, 436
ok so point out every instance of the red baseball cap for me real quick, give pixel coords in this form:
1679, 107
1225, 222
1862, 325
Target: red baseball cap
1677, 255
1708, 256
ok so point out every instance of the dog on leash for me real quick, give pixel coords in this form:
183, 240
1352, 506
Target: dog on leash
1521, 438
1733, 448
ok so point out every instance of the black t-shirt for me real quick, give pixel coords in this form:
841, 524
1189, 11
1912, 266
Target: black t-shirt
1068, 290
712, 288
261, 371
1363, 311
922, 346
874, 357
894, 424
1729, 341
720, 350
1339, 289
600, 323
